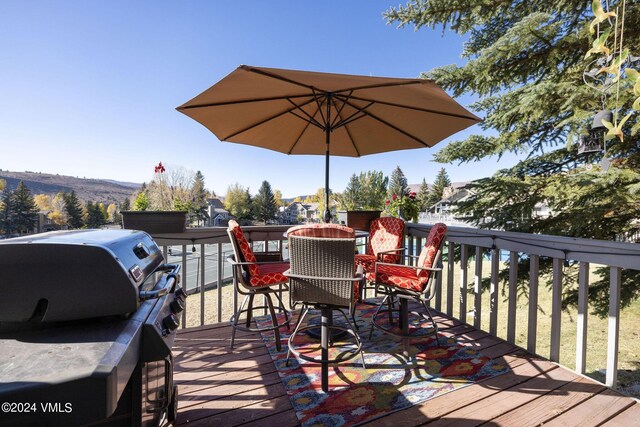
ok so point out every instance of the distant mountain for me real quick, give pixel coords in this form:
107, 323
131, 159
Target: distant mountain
87, 189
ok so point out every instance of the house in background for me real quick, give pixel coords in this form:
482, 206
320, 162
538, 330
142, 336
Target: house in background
218, 215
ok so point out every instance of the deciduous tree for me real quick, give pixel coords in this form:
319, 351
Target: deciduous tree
238, 201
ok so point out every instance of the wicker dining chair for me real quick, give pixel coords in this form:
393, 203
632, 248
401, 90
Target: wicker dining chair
322, 276
405, 283
255, 274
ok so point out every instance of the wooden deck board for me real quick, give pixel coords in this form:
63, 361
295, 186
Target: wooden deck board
220, 387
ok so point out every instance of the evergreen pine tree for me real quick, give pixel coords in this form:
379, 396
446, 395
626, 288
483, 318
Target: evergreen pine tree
199, 209
73, 210
265, 203
423, 196
7, 212
441, 182
525, 66
351, 194
95, 216
397, 184
25, 217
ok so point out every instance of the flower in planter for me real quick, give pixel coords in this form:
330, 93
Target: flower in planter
405, 206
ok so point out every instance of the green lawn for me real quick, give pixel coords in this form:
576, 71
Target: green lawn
629, 346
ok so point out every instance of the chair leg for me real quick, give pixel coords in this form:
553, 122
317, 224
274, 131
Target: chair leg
303, 312
284, 310
404, 325
236, 318
435, 326
384, 300
274, 321
250, 310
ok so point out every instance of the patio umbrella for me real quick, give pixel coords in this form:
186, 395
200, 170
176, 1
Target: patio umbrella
304, 112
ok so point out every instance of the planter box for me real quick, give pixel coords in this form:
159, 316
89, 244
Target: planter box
360, 220
154, 222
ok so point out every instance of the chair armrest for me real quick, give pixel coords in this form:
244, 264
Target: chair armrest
414, 267
388, 251
231, 259
357, 277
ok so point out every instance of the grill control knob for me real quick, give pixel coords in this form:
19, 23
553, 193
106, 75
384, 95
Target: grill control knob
171, 322
176, 306
180, 294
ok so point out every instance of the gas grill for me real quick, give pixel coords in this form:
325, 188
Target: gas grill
87, 322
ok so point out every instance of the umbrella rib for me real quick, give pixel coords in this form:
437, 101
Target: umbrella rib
269, 119
298, 138
390, 125
337, 119
240, 101
371, 86
310, 119
425, 110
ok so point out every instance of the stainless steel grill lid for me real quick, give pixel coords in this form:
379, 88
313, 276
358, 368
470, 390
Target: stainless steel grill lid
67, 275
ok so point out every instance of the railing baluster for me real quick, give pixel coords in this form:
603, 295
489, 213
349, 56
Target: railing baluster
464, 258
613, 334
202, 282
494, 291
477, 290
581, 323
438, 298
219, 285
185, 282
532, 324
513, 295
556, 309
450, 267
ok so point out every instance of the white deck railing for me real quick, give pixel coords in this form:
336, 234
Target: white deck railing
205, 269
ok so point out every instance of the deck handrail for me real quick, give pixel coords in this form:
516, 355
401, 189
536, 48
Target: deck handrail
615, 255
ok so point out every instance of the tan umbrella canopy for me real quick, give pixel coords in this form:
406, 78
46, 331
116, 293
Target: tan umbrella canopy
304, 112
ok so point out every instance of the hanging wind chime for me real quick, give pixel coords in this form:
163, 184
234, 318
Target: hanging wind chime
602, 75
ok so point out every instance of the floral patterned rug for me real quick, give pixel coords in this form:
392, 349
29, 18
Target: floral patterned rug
389, 383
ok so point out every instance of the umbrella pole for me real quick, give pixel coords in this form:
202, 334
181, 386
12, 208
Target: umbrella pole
327, 212
327, 131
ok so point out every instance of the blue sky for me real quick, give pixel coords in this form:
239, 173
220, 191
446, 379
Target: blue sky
89, 89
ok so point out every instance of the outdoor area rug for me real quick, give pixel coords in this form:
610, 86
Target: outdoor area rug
388, 384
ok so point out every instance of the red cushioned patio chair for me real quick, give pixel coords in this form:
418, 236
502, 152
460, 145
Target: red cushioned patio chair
407, 283
256, 274
386, 238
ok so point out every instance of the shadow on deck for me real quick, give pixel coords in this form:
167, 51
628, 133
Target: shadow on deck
218, 387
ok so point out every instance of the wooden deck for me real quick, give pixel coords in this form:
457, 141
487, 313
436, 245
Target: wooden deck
218, 387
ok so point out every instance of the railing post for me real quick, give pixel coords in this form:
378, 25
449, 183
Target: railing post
532, 326
202, 279
464, 258
513, 295
583, 311
494, 292
556, 310
477, 290
185, 281
450, 267
219, 286
614, 327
